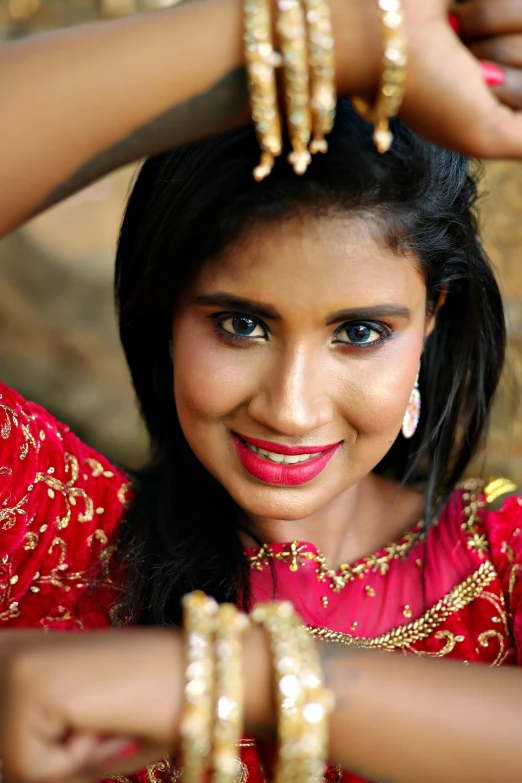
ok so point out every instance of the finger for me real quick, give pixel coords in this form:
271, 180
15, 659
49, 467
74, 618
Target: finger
486, 18
504, 50
458, 110
510, 91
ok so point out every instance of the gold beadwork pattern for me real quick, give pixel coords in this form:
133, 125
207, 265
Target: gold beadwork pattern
297, 555
391, 88
261, 62
407, 635
293, 38
323, 97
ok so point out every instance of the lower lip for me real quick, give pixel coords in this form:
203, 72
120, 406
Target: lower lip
283, 475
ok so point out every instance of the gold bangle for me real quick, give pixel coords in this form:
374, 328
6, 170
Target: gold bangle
322, 72
303, 701
292, 30
228, 726
261, 62
391, 88
195, 728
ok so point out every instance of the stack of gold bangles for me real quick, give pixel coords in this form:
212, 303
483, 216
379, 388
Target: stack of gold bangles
306, 55
212, 721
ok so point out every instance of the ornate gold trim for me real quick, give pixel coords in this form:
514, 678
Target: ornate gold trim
405, 635
495, 488
296, 554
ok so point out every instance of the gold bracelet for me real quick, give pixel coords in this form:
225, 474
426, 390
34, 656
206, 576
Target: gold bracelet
228, 726
322, 72
195, 728
292, 30
391, 88
303, 701
261, 62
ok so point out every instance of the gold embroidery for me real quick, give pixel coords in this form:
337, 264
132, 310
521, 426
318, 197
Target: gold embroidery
405, 636
8, 515
122, 493
498, 487
483, 640
98, 469
474, 501
69, 491
513, 576
499, 604
242, 771
161, 768
296, 555
11, 419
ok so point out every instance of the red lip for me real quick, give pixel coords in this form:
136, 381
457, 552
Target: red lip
291, 451
283, 475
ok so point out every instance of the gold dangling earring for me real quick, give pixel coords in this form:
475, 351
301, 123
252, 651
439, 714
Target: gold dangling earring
413, 410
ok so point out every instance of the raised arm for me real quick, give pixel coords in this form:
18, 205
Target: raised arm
79, 103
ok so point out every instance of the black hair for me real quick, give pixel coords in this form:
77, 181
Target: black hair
181, 532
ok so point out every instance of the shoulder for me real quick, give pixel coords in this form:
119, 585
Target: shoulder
60, 506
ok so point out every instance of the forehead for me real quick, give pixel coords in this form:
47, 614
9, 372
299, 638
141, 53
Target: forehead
315, 262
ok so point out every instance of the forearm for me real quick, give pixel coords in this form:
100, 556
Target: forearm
400, 719
78, 104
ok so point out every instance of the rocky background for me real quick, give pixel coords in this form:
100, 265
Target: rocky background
58, 339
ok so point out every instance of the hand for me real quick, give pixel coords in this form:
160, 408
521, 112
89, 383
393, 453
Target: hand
446, 100
71, 703
492, 29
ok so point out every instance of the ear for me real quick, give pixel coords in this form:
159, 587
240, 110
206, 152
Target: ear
431, 316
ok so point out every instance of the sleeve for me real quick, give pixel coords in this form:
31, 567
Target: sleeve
60, 507
504, 533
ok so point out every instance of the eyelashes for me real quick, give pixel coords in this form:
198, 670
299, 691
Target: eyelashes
243, 329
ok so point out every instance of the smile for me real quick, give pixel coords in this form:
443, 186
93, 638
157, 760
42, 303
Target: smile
274, 463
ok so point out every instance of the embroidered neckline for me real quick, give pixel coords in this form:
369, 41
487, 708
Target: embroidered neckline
297, 554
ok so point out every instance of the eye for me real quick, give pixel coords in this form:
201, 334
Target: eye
363, 333
241, 325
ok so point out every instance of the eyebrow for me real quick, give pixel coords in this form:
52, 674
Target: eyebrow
232, 302
364, 313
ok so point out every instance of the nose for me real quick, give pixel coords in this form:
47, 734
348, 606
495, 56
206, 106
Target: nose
293, 398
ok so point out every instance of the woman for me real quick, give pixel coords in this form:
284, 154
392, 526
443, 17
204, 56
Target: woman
275, 333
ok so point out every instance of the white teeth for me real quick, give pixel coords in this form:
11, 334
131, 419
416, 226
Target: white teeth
280, 459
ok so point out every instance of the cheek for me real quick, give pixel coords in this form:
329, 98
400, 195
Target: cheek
379, 393
209, 380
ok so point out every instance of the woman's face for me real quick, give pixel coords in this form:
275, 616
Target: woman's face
295, 353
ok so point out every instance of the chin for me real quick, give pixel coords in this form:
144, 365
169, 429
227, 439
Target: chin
282, 503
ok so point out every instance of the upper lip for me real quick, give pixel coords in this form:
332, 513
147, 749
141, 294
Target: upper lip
280, 448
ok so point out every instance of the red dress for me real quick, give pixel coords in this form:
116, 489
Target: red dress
61, 504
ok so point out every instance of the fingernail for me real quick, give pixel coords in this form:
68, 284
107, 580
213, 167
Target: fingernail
492, 74
454, 23
127, 752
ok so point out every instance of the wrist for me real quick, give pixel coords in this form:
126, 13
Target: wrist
260, 710
358, 46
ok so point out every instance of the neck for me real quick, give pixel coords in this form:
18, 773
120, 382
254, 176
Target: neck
359, 521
